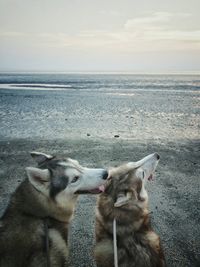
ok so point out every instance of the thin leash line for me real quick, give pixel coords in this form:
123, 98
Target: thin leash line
115, 243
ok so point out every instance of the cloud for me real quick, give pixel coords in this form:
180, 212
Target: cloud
155, 32
154, 20
158, 27
145, 22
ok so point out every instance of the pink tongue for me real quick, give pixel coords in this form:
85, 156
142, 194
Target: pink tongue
102, 188
150, 177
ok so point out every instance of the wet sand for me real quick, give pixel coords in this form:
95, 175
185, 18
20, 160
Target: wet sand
82, 125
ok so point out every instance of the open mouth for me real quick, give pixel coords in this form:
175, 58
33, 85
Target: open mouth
150, 178
98, 190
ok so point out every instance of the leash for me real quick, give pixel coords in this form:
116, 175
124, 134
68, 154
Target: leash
115, 243
46, 231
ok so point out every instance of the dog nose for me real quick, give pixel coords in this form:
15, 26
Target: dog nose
105, 175
157, 156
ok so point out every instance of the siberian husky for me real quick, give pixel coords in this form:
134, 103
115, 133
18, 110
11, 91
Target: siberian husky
125, 203
34, 227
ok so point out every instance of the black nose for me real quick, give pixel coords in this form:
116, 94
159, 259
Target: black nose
157, 156
105, 175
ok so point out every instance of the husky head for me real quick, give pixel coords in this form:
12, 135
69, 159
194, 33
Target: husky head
126, 186
57, 178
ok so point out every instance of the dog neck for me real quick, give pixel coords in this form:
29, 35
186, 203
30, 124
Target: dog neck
38, 206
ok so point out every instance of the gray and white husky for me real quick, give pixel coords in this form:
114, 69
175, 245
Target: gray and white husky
34, 227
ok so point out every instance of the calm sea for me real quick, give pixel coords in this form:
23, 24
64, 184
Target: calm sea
99, 82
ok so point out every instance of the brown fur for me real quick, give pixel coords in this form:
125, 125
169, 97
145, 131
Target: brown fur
138, 245
22, 235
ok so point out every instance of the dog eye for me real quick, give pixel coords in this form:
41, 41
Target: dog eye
143, 174
75, 179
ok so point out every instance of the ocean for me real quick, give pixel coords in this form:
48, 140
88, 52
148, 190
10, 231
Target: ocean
55, 81
99, 105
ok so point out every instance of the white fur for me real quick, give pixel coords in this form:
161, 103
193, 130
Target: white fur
88, 179
150, 161
145, 168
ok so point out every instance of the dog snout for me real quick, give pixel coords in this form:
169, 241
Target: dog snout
105, 175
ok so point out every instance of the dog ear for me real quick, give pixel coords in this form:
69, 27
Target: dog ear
122, 199
39, 178
40, 157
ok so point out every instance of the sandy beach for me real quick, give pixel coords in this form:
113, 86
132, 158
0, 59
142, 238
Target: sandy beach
104, 128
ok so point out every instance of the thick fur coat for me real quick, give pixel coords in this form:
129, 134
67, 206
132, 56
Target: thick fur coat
126, 200
36, 220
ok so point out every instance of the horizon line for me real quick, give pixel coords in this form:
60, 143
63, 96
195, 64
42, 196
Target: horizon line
102, 72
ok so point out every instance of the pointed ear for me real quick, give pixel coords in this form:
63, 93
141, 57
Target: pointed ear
122, 199
40, 157
38, 178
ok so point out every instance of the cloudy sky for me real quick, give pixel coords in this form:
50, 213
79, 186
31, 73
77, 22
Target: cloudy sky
100, 35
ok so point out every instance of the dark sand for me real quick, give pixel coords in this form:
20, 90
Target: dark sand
165, 122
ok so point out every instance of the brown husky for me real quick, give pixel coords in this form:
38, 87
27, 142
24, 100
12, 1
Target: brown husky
34, 227
125, 200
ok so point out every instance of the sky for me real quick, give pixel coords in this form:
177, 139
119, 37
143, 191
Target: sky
145, 36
